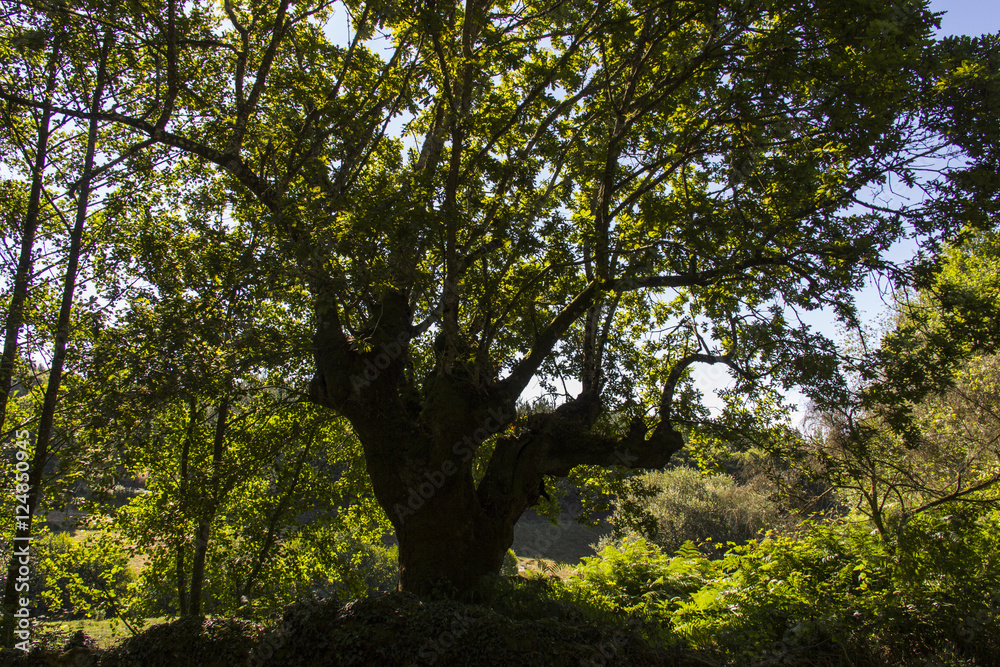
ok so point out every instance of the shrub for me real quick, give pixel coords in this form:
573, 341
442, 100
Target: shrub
836, 590
509, 566
297, 568
369, 566
401, 629
692, 506
636, 577
187, 641
81, 579
636, 581
825, 594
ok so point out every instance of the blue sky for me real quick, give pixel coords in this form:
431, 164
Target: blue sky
968, 17
961, 17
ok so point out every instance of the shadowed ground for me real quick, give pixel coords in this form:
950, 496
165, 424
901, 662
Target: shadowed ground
563, 542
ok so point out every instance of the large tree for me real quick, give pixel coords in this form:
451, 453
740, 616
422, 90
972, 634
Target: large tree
480, 194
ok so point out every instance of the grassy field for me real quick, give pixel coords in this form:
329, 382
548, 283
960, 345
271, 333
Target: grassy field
106, 633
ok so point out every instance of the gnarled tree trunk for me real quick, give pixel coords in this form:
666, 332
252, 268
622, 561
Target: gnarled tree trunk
451, 530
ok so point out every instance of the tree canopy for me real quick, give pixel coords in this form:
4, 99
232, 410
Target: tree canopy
471, 197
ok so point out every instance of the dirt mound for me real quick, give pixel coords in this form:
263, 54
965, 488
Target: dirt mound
401, 629
523, 628
187, 641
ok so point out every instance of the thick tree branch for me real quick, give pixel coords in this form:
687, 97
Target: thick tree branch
524, 370
230, 163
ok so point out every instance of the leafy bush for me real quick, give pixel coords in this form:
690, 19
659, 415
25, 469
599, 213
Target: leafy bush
635, 577
187, 641
317, 561
368, 566
401, 629
509, 567
816, 596
836, 590
692, 506
82, 579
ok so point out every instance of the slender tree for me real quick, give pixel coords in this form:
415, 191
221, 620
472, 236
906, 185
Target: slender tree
61, 338
25, 263
192, 381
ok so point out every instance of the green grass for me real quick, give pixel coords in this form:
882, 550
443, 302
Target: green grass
106, 633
